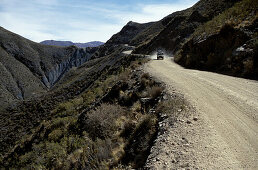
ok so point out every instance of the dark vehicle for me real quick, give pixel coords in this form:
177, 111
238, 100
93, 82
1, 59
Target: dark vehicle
160, 55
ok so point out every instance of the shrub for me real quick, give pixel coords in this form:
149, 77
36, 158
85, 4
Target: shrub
248, 66
146, 76
155, 91
136, 151
124, 76
146, 81
101, 121
55, 135
127, 129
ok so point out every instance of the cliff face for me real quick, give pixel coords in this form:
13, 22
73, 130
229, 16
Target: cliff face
76, 59
29, 68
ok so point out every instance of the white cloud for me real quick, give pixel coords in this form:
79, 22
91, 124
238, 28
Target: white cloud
149, 13
39, 20
30, 30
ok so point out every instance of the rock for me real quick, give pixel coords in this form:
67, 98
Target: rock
186, 145
164, 116
195, 118
188, 122
152, 111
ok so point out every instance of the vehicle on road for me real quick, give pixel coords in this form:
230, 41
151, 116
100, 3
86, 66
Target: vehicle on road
160, 55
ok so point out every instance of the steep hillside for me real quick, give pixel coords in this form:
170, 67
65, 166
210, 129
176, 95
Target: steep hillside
28, 68
226, 44
128, 32
69, 43
182, 24
94, 118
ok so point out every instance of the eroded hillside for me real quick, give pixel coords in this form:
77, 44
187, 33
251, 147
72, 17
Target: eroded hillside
29, 69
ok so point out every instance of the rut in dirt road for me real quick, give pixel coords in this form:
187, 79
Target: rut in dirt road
227, 133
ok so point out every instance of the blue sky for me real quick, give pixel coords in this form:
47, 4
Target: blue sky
81, 20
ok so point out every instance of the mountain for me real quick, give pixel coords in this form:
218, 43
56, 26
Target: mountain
32, 123
35, 79
82, 107
170, 31
219, 36
128, 32
28, 68
69, 43
180, 25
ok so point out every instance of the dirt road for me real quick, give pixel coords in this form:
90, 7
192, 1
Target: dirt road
226, 133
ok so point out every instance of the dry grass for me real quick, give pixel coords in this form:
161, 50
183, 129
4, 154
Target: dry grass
239, 15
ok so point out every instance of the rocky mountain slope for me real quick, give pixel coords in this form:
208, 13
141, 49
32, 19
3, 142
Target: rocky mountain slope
227, 44
28, 68
70, 43
200, 37
182, 24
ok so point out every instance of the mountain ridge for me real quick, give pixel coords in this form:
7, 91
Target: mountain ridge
70, 43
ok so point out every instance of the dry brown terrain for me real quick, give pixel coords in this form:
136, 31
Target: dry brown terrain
224, 133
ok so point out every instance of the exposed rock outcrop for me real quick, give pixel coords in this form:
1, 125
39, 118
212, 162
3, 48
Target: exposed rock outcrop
79, 57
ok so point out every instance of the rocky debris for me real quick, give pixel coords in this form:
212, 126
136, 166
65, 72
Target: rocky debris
171, 149
195, 118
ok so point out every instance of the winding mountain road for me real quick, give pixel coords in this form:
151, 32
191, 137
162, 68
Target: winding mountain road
226, 133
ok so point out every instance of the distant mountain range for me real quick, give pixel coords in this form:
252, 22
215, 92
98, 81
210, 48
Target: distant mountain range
69, 43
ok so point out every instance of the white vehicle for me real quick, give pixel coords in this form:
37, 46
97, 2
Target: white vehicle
160, 55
